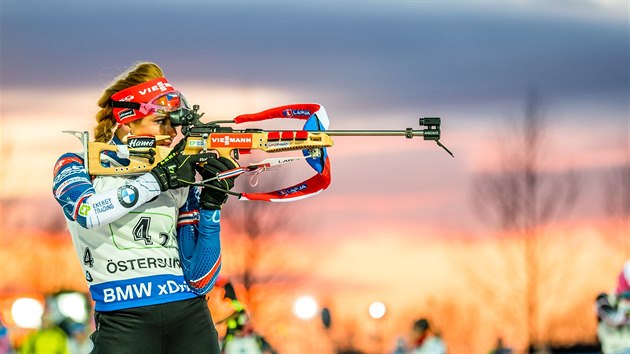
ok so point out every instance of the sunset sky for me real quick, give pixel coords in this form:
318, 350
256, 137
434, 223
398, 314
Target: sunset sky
394, 204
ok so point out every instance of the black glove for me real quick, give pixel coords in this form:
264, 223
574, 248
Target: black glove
177, 170
210, 198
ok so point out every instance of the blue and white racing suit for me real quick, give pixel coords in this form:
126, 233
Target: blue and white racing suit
133, 240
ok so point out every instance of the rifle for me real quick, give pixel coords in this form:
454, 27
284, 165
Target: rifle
143, 152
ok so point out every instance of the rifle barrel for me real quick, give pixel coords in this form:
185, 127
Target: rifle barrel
374, 132
429, 134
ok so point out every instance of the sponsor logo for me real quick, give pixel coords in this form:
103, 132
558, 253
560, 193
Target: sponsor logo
129, 292
84, 210
68, 171
128, 196
216, 216
142, 290
126, 113
141, 142
65, 161
195, 143
172, 287
278, 144
62, 188
160, 86
296, 113
103, 206
288, 159
292, 190
231, 140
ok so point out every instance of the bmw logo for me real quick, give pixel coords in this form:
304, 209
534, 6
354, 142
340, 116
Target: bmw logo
128, 196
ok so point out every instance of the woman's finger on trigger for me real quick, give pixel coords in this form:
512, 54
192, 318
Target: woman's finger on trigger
202, 157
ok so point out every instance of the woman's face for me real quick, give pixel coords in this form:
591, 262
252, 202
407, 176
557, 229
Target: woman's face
154, 124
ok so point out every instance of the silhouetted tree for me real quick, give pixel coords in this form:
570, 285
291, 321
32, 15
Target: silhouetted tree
521, 197
6, 150
617, 203
260, 226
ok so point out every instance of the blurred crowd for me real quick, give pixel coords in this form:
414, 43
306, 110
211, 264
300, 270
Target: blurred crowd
613, 316
69, 337
59, 337
613, 326
422, 340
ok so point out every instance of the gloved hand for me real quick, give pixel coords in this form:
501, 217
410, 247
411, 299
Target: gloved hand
178, 170
210, 198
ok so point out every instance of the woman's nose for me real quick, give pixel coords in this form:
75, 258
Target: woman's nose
170, 130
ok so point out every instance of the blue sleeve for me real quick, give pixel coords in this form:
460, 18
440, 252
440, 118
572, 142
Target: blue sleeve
73, 189
198, 234
71, 186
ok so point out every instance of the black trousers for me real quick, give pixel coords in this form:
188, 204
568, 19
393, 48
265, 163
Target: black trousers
177, 327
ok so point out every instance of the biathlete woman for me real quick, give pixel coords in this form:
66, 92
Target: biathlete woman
148, 244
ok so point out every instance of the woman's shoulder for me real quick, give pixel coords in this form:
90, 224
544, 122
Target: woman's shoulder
68, 159
71, 156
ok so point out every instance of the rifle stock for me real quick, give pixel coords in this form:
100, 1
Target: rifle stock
228, 145
231, 145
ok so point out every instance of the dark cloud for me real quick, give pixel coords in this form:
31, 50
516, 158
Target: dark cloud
373, 54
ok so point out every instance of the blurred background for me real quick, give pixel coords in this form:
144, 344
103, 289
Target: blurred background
513, 238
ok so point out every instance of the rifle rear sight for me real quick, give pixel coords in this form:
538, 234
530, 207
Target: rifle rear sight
186, 118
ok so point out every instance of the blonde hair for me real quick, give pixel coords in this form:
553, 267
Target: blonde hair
105, 121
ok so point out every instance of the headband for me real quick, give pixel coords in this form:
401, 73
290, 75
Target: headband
139, 101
